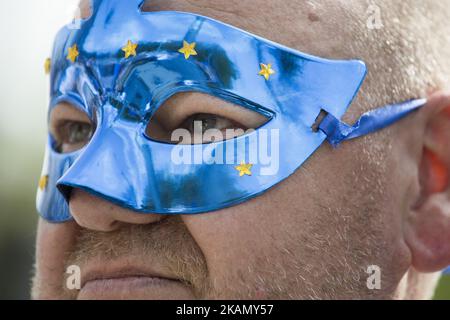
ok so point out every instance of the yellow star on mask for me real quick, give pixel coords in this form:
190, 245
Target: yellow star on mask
43, 181
48, 65
266, 70
73, 53
188, 49
130, 49
244, 169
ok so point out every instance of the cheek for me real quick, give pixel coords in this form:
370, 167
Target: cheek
244, 236
53, 241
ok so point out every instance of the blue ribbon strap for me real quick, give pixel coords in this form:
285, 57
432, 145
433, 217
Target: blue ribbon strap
374, 120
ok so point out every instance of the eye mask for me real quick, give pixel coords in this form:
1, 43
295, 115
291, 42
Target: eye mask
121, 65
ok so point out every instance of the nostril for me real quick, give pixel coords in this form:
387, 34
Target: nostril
65, 190
89, 214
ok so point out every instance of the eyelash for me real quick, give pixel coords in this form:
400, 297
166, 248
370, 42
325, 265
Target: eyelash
188, 122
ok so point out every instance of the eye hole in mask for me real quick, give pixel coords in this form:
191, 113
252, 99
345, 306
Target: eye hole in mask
198, 118
70, 128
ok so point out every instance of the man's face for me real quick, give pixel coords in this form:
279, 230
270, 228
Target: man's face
312, 236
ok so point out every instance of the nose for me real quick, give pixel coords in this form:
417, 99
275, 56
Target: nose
97, 214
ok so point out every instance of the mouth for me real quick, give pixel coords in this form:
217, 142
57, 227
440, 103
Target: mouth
128, 280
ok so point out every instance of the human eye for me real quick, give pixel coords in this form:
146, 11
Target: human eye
199, 124
206, 118
70, 128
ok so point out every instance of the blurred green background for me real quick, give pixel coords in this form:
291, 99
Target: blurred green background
27, 28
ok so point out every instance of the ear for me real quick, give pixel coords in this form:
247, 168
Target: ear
427, 230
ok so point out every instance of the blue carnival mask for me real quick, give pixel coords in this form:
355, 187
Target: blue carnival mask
122, 64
